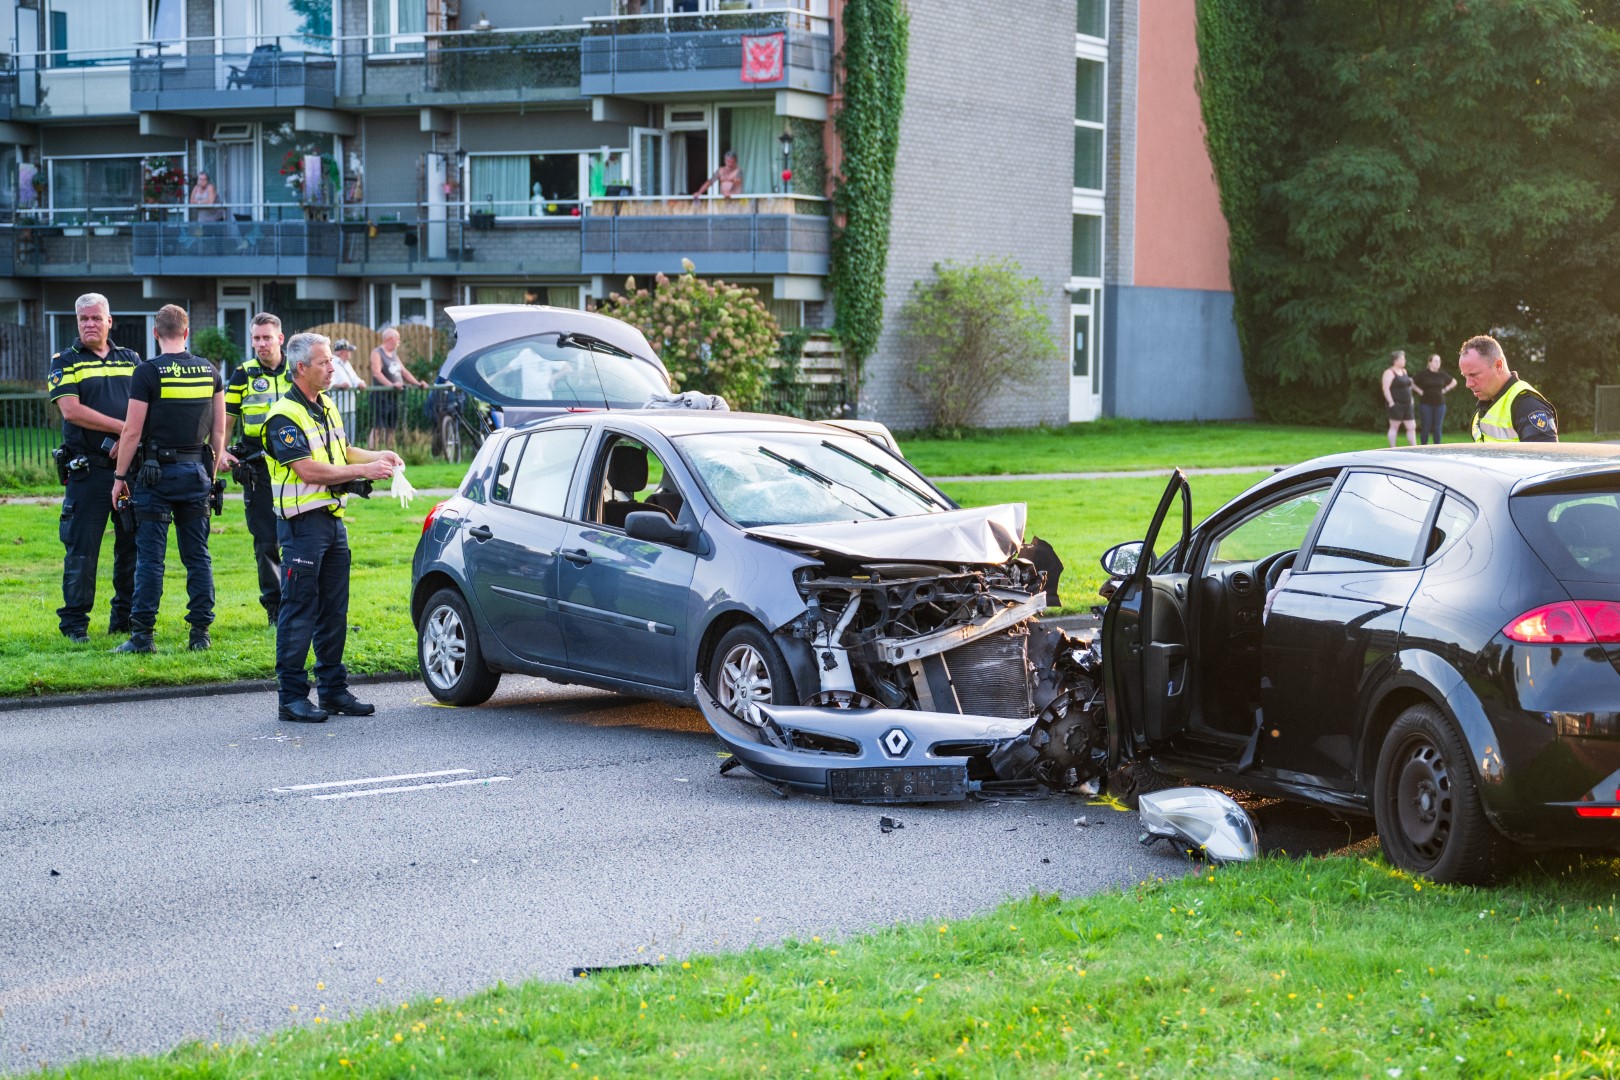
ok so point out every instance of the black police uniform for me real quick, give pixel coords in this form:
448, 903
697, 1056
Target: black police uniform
179, 390
100, 383
253, 389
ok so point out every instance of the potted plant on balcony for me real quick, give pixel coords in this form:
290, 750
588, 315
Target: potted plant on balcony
163, 185
72, 225
104, 227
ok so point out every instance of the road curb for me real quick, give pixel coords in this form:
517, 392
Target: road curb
162, 693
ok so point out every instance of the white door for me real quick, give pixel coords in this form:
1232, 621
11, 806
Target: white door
649, 168
236, 311
1085, 374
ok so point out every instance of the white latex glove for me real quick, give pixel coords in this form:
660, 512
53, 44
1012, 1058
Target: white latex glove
400, 487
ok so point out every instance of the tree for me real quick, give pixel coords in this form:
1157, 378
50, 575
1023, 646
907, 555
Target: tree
979, 330
713, 337
1403, 174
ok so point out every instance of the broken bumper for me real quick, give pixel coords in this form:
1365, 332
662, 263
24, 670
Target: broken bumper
863, 755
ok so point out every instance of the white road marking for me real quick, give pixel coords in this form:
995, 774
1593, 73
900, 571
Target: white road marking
412, 787
371, 780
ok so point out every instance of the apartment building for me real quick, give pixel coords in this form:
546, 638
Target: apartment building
378, 160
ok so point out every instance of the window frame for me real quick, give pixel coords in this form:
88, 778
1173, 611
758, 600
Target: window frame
1327, 485
524, 437
1100, 126
471, 204
596, 478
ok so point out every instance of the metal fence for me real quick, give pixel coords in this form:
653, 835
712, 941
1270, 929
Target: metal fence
1606, 410
30, 426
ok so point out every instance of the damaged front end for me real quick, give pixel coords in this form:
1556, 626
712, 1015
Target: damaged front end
949, 654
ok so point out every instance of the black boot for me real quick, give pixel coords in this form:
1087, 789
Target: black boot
301, 712
347, 704
200, 640
139, 642
115, 626
78, 637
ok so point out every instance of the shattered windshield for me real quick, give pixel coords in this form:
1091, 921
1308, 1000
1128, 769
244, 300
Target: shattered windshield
803, 477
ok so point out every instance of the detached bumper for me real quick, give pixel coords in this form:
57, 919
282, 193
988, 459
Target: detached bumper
863, 755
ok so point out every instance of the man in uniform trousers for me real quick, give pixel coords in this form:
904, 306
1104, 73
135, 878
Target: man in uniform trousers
177, 421
256, 385
312, 469
89, 382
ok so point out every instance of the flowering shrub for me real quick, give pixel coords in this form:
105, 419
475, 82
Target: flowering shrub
713, 337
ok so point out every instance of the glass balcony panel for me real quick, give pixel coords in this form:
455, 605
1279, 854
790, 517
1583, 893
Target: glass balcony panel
750, 235
707, 52
282, 72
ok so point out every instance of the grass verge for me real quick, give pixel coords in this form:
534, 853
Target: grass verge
1334, 966
1080, 518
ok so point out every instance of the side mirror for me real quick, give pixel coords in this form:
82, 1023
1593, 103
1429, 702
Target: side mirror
1121, 560
655, 526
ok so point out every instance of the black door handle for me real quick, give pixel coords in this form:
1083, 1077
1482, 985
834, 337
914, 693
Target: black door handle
481, 532
577, 557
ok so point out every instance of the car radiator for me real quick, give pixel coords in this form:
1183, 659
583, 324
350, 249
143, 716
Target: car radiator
991, 676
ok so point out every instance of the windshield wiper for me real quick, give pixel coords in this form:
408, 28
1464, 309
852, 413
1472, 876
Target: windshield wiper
826, 481
875, 467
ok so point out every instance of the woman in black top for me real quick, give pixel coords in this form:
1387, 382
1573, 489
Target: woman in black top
1398, 396
1434, 385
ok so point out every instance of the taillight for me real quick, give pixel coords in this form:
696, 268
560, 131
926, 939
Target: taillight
427, 522
1598, 811
1570, 622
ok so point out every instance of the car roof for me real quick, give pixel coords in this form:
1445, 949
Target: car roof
673, 423
1468, 465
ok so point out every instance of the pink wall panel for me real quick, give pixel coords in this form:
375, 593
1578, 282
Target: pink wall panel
1180, 233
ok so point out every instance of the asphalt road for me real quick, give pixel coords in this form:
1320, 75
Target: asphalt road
171, 870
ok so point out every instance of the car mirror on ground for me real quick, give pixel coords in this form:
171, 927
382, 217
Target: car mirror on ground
1121, 560
655, 525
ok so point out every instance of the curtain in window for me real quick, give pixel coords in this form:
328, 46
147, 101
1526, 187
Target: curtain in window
502, 179
753, 137
412, 16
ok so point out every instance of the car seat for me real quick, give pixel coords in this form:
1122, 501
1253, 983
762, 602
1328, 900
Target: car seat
626, 475
1590, 532
666, 500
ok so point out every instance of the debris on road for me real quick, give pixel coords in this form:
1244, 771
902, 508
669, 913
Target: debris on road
889, 824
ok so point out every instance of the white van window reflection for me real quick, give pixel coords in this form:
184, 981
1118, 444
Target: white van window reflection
544, 370
768, 478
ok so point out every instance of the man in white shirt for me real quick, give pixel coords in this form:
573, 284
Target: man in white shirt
345, 381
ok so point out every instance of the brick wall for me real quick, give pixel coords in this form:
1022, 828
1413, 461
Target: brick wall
984, 168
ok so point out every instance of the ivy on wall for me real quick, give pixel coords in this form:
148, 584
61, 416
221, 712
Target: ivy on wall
872, 68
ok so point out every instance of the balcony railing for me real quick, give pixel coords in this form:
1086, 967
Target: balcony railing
707, 52
396, 238
464, 66
256, 73
36, 244
186, 248
58, 84
764, 235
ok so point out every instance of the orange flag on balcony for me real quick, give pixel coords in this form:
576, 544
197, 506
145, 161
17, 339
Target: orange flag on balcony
762, 57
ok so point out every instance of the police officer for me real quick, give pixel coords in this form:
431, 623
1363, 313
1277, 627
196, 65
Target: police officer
1510, 410
89, 381
177, 421
311, 462
255, 386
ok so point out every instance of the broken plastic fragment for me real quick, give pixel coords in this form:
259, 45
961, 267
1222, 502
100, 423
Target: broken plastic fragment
889, 824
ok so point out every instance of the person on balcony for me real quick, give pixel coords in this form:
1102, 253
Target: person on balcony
205, 196
727, 180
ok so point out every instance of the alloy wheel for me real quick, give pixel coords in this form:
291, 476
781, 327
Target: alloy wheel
1423, 797
745, 680
444, 647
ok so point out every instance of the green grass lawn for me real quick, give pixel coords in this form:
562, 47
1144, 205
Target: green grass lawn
1080, 518
1313, 967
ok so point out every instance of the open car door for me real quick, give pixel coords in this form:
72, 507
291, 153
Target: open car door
1145, 636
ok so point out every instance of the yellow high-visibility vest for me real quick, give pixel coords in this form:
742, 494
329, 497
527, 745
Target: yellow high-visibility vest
1497, 423
252, 397
327, 442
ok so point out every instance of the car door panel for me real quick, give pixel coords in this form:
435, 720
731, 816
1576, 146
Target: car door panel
623, 604
514, 575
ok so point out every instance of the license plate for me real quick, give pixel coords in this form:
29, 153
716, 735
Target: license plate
917, 783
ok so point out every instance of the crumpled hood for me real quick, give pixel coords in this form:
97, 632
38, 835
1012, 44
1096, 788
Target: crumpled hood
988, 535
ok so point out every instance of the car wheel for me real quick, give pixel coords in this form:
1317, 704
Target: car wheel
447, 645
1426, 803
748, 668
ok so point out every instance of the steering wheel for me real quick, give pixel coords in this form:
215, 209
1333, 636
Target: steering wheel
1270, 568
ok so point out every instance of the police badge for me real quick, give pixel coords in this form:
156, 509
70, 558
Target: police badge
261, 384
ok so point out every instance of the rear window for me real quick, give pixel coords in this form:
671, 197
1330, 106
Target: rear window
553, 370
1577, 534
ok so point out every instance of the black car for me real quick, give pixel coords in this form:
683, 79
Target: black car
1427, 635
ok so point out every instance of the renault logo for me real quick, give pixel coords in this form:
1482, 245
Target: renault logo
896, 742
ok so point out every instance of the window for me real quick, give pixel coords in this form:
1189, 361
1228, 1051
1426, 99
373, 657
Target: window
1374, 523
542, 371
167, 19
1577, 533
632, 478
292, 25
1279, 527
1090, 95
536, 470
1091, 18
398, 25
1451, 522
524, 185
1087, 246
83, 33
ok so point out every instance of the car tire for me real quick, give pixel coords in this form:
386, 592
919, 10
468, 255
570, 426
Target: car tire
1427, 806
747, 667
447, 647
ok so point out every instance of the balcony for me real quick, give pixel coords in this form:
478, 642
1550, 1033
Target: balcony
750, 236
272, 74
704, 52
466, 67
411, 239
65, 85
267, 248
